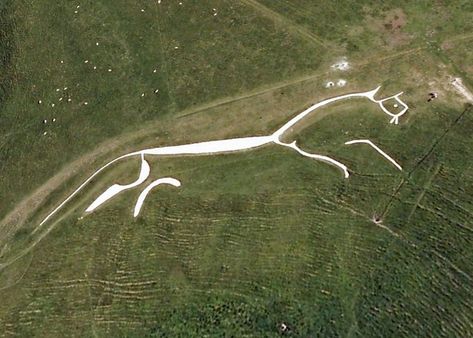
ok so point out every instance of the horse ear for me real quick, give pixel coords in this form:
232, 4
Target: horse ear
373, 92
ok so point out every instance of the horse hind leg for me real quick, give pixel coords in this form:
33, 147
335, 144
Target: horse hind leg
117, 188
145, 192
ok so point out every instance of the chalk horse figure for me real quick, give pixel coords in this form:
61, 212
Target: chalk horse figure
228, 146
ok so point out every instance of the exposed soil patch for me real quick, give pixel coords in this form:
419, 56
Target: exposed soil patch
395, 20
391, 25
447, 45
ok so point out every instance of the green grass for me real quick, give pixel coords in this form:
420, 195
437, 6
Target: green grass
359, 26
253, 239
132, 44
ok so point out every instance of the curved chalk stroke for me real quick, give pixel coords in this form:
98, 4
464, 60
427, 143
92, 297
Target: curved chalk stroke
144, 193
322, 158
80, 188
117, 188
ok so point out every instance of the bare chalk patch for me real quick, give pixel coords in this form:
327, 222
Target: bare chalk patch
462, 89
329, 84
343, 64
341, 83
338, 83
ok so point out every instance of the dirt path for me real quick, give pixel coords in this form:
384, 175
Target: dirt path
460, 37
15, 218
293, 81
425, 187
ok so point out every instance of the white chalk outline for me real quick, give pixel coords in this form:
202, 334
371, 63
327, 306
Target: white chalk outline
322, 158
226, 146
389, 158
117, 188
144, 193
395, 117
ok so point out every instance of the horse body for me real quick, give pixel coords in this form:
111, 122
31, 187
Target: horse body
211, 147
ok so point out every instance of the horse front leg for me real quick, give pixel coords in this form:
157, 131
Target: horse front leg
378, 149
318, 157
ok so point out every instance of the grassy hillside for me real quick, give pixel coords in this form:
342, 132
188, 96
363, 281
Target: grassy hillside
7, 49
103, 59
250, 240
